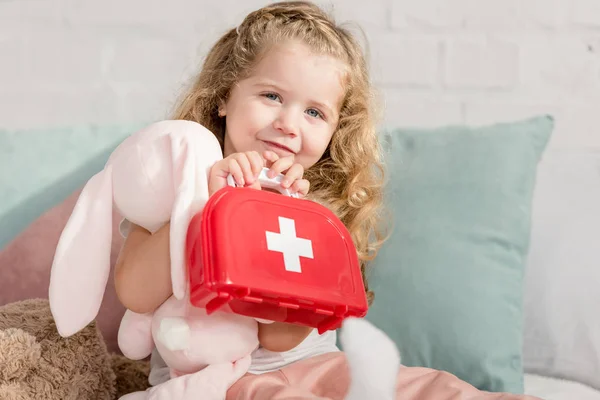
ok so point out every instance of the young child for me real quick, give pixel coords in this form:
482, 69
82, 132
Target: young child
288, 89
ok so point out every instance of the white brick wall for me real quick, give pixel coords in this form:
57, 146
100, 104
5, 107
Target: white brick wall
65, 62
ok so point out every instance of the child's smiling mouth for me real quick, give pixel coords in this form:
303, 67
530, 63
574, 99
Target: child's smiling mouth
278, 148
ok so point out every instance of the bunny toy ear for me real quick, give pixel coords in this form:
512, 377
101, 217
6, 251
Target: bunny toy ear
194, 150
183, 179
81, 264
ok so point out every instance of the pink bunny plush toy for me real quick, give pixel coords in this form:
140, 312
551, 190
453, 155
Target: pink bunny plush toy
156, 175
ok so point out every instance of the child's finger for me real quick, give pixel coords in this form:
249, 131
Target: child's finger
236, 171
256, 162
301, 186
294, 173
218, 176
270, 157
255, 185
245, 167
280, 165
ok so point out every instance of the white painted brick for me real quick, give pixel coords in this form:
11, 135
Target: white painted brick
370, 15
438, 62
11, 64
577, 127
141, 62
145, 105
575, 123
482, 14
428, 13
481, 63
399, 59
484, 112
39, 108
420, 110
586, 13
29, 12
181, 14
490, 14
563, 67
545, 13
146, 12
179, 20
59, 58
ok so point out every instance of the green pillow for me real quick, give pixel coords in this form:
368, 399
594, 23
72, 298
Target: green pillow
448, 283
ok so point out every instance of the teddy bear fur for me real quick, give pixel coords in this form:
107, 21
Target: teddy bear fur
37, 363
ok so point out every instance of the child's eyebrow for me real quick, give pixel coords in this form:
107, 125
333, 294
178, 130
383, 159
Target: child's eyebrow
267, 82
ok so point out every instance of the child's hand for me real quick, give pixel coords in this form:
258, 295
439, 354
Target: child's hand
294, 173
244, 167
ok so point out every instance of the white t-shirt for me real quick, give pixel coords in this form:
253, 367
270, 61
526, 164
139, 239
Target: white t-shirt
263, 360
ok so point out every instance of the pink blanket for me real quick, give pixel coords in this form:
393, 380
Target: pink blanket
326, 377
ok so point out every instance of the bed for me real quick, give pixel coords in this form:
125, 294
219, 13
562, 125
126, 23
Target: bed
560, 279
549, 388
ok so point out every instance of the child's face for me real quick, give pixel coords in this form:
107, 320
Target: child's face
289, 105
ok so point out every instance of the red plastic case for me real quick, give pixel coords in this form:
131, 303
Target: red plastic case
236, 248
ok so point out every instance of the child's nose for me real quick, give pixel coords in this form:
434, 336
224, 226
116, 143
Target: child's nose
287, 122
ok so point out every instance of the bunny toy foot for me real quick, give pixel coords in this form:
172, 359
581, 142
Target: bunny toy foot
199, 349
373, 360
209, 384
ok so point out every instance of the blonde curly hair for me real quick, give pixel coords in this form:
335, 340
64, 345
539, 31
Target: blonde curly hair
349, 177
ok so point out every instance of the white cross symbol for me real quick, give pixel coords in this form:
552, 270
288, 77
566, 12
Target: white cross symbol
289, 244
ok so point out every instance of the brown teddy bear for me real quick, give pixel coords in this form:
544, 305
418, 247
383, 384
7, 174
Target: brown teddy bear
37, 363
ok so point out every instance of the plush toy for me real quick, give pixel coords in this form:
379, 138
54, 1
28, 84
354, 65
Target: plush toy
37, 363
156, 175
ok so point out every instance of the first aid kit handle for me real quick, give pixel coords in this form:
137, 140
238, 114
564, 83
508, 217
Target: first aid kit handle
266, 182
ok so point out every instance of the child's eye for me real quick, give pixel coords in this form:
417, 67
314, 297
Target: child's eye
313, 112
272, 96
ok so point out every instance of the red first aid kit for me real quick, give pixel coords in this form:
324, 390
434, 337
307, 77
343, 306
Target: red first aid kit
274, 257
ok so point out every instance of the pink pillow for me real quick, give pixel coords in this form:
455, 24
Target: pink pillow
25, 264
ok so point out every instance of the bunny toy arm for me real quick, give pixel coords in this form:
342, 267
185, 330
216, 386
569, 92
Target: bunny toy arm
211, 383
135, 335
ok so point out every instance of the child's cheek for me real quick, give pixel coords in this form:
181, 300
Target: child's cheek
313, 149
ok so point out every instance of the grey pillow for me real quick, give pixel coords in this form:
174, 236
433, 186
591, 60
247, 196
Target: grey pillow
562, 296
